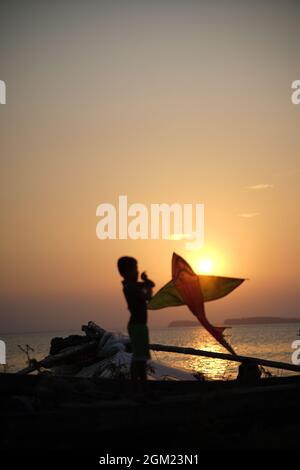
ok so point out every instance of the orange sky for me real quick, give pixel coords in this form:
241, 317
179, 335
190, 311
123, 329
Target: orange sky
162, 101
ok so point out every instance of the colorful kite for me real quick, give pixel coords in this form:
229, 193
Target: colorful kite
187, 288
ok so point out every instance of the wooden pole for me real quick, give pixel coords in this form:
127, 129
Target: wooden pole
225, 356
54, 359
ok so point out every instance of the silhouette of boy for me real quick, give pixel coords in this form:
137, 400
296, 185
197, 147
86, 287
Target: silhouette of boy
137, 295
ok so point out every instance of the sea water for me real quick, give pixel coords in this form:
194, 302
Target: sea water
273, 342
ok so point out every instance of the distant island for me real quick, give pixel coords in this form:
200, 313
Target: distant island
178, 323
259, 320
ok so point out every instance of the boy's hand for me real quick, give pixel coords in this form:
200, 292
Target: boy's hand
145, 278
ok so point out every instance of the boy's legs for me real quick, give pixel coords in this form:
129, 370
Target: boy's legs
133, 370
134, 374
139, 338
138, 377
142, 371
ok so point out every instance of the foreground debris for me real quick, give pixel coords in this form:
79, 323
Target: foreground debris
101, 354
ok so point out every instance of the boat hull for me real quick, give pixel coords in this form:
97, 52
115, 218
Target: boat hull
46, 412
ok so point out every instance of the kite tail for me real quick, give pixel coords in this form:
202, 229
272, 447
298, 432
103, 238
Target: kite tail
217, 333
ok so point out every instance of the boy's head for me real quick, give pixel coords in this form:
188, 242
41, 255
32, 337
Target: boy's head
128, 268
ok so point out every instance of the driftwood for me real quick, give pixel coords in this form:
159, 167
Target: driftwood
56, 359
226, 356
92, 331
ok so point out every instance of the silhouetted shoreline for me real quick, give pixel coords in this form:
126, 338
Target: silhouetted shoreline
259, 320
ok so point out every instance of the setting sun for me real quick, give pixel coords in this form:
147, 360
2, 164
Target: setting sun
205, 266
207, 261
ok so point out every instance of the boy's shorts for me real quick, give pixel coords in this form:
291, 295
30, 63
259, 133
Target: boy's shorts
139, 338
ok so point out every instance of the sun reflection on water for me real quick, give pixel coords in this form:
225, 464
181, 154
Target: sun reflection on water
265, 341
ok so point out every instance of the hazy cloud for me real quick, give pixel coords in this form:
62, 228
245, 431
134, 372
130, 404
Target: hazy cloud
181, 236
261, 186
248, 215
